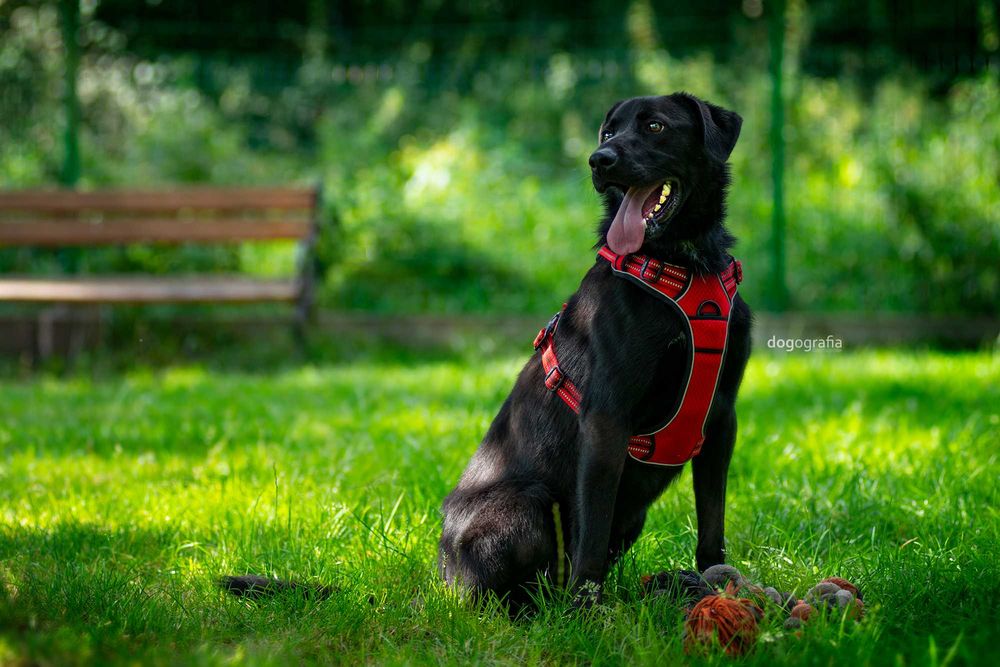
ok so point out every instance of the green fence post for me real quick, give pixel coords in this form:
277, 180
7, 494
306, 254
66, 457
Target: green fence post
70, 11
779, 289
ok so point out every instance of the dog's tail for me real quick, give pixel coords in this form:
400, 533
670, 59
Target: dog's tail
256, 587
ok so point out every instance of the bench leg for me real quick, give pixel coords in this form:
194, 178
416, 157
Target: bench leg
307, 274
45, 333
66, 330
303, 318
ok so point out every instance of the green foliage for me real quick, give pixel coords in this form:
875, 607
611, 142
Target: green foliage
898, 195
121, 500
458, 180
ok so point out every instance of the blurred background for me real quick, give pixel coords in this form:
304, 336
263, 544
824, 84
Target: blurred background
450, 139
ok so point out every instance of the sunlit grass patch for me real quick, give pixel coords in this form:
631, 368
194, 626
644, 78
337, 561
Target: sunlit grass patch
122, 499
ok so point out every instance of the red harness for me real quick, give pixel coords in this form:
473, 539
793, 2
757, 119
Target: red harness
705, 302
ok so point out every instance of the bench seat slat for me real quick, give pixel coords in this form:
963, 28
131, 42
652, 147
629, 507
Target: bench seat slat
139, 289
224, 199
121, 231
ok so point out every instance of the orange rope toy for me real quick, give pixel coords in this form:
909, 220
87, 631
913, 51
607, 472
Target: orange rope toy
729, 620
730, 616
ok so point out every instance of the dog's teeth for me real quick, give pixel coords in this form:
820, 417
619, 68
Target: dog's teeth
666, 189
657, 207
663, 198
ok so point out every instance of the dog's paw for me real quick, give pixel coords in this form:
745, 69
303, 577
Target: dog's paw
680, 585
587, 594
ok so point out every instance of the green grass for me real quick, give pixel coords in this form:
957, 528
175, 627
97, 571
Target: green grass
122, 498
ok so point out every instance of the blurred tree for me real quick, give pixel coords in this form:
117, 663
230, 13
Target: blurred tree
440, 127
865, 37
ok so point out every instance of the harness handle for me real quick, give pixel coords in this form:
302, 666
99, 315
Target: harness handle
711, 304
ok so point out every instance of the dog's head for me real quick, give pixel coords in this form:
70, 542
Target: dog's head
661, 165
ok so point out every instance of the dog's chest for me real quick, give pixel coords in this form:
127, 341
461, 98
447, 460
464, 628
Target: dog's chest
665, 386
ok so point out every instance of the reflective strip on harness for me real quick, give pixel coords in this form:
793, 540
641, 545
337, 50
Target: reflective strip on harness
705, 301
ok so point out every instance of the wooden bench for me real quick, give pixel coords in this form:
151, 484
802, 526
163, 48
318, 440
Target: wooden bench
190, 215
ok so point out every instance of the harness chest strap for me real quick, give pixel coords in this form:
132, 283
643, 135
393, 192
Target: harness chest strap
705, 302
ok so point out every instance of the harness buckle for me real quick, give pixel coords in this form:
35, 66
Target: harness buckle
546, 331
539, 339
656, 276
554, 378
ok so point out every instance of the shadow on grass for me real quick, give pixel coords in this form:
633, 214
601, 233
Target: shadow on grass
158, 341
81, 593
77, 593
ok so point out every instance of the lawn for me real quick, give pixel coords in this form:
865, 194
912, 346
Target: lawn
122, 498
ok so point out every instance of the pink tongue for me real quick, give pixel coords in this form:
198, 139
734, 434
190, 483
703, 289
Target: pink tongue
627, 229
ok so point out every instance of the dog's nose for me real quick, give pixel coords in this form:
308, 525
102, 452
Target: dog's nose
603, 158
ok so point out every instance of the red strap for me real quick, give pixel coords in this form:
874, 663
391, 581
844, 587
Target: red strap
707, 305
555, 379
706, 302
668, 279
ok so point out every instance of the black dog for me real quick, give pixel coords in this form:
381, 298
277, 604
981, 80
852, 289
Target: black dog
542, 465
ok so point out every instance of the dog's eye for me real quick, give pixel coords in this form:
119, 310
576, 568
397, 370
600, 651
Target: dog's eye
654, 126
606, 134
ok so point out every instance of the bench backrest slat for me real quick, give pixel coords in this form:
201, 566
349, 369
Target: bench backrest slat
119, 232
141, 289
207, 215
135, 201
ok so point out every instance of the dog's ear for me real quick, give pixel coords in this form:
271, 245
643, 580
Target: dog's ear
721, 127
604, 122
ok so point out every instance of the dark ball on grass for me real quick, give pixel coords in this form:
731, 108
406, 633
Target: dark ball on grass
844, 584
843, 598
821, 592
720, 575
772, 594
793, 623
682, 586
786, 601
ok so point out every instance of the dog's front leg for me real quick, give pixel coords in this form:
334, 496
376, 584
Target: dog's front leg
602, 458
710, 469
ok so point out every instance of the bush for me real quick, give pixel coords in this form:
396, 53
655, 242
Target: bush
466, 189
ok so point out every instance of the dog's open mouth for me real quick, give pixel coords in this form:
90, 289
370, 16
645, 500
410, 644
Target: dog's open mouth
643, 210
659, 204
